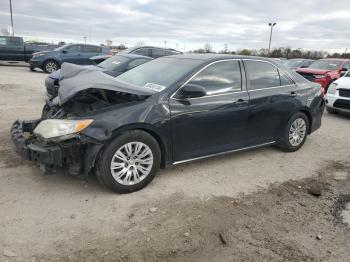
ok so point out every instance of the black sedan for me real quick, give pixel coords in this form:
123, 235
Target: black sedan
112, 66
169, 111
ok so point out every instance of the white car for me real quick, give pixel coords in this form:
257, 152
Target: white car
338, 95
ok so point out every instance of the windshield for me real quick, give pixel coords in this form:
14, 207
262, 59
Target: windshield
294, 63
160, 73
113, 63
325, 64
61, 47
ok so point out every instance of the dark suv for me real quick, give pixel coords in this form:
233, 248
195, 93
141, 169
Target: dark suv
72, 53
151, 51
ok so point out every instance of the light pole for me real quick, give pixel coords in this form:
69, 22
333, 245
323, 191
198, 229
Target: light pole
165, 44
84, 39
271, 26
13, 30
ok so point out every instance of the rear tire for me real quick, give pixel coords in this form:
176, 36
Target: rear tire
50, 66
295, 133
129, 162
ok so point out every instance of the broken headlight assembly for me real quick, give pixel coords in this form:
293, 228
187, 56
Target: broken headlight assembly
59, 129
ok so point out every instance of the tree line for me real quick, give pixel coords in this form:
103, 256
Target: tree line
281, 52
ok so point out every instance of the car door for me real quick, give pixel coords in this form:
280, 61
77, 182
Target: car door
3, 48
272, 98
12, 48
89, 51
215, 122
72, 54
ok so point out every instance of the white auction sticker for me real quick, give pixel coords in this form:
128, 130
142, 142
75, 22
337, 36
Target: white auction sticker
154, 87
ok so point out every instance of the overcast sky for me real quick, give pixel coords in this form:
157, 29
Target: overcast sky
310, 24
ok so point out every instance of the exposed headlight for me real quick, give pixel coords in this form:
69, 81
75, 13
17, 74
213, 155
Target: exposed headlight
60, 129
319, 76
38, 54
332, 89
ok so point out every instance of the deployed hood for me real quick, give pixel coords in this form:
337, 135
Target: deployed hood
74, 79
67, 67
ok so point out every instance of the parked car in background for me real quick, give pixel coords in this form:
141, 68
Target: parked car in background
325, 71
80, 54
13, 48
168, 111
150, 51
338, 95
112, 66
296, 63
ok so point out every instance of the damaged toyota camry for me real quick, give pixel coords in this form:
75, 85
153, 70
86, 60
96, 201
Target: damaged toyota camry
168, 111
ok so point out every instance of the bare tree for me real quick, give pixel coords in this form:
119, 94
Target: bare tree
109, 42
140, 43
208, 48
5, 31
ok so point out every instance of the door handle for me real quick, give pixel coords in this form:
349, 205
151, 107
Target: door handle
241, 102
293, 94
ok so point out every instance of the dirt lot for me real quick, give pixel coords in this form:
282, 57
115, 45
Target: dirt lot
250, 206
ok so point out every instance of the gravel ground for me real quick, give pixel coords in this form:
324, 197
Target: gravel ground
238, 207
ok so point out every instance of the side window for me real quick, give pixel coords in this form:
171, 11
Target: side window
219, 78
142, 51
74, 48
91, 49
2, 40
346, 66
157, 52
262, 74
136, 62
16, 41
285, 80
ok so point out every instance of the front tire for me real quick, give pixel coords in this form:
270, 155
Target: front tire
129, 162
50, 66
295, 133
330, 110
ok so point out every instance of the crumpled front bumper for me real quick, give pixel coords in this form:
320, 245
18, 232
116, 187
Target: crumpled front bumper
31, 149
76, 155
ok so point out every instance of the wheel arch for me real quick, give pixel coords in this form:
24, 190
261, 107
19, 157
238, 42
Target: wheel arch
164, 148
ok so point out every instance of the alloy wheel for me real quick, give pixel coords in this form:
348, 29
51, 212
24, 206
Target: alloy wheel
132, 163
297, 132
51, 67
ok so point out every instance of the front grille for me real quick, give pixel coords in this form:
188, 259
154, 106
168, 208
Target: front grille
342, 104
309, 77
344, 92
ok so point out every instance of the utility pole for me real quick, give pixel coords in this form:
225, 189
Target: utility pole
13, 30
225, 48
165, 44
84, 39
271, 26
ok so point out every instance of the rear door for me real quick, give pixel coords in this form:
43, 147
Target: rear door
89, 51
213, 123
272, 99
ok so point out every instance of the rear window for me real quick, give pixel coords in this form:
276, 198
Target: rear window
16, 41
325, 64
2, 40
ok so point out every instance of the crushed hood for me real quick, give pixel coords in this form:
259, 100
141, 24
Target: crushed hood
75, 78
313, 71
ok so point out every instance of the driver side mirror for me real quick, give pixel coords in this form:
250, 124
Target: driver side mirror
64, 51
192, 91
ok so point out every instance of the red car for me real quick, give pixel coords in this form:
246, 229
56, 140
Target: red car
325, 71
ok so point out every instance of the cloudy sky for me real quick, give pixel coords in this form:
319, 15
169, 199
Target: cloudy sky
309, 24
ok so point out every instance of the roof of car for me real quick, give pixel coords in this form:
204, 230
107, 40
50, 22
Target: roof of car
213, 57
133, 56
335, 59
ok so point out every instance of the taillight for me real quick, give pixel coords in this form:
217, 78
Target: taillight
109, 53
